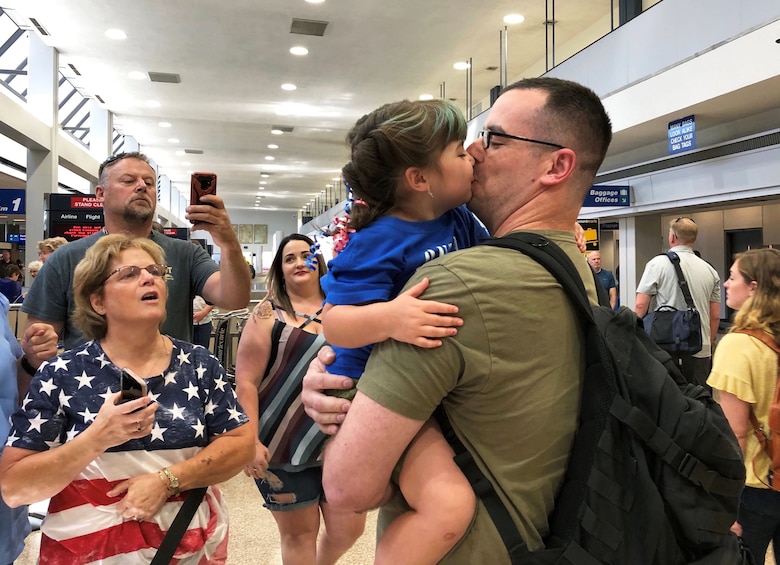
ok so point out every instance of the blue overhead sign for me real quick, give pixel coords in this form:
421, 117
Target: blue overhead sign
607, 196
12, 201
682, 135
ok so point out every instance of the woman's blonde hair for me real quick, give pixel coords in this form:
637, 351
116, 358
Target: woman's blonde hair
51, 244
90, 276
761, 311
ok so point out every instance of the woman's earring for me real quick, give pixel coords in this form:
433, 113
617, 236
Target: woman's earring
429, 192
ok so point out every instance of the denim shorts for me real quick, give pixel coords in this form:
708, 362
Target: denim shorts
305, 486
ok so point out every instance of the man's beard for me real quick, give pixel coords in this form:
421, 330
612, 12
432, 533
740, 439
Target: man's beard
137, 215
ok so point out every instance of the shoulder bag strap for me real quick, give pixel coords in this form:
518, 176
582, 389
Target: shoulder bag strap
675, 259
180, 524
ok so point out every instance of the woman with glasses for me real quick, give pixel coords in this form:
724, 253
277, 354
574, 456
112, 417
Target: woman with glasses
118, 469
744, 372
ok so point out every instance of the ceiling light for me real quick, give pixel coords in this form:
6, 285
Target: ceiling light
299, 50
426, 96
277, 132
289, 86
273, 146
174, 140
116, 34
137, 75
264, 175
263, 182
164, 124
460, 66
269, 158
260, 188
513, 19
315, 1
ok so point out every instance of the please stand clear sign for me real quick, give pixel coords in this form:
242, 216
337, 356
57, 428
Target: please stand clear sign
682, 135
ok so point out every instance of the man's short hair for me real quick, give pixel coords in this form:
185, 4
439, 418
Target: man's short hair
684, 229
573, 116
114, 159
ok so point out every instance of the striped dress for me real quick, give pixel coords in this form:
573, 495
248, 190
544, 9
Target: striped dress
292, 438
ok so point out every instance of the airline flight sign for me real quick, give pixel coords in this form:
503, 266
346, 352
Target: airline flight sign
605, 196
682, 135
12, 201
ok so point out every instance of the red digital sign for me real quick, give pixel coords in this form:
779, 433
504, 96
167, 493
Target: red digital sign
72, 232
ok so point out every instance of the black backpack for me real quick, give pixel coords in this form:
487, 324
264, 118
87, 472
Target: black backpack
655, 472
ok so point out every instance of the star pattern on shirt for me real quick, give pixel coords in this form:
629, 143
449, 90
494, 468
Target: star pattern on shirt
87, 415
157, 432
177, 412
102, 359
170, 377
199, 429
184, 358
64, 399
85, 380
220, 383
37, 422
235, 413
201, 370
61, 364
48, 386
192, 391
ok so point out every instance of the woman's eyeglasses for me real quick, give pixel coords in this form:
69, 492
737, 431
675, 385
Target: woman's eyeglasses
132, 272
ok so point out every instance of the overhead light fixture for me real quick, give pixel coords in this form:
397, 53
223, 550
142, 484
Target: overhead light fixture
263, 182
315, 1
460, 66
164, 124
137, 75
289, 86
273, 146
264, 175
426, 96
299, 50
277, 132
117, 34
269, 158
513, 19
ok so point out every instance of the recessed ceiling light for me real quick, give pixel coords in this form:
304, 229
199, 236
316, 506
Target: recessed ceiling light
289, 86
273, 146
173, 140
260, 188
426, 96
264, 175
513, 19
460, 66
315, 1
164, 124
277, 132
269, 158
137, 75
263, 182
116, 34
299, 50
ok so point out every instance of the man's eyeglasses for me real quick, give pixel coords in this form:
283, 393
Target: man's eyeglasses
110, 160
487, 134
132, 272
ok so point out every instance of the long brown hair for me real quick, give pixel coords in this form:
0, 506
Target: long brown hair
761, 311
277, 290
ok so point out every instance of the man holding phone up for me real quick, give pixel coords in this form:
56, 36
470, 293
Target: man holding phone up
127, 185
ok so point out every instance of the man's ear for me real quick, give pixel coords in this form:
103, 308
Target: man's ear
561, 166
99, 192
416, 178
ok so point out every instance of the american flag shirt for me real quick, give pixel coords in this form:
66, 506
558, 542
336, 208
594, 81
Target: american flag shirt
195, 404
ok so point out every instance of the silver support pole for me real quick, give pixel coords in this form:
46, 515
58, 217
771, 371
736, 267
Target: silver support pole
469, 88
504, 66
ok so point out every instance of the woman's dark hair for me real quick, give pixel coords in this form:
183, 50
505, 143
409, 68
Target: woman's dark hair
388, 141
761, 311
277, 290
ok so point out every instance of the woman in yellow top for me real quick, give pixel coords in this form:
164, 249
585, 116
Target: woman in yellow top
744, 371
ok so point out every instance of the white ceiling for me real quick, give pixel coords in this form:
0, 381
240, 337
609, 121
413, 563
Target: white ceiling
233, 57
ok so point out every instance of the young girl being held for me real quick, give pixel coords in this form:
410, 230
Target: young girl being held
411, 177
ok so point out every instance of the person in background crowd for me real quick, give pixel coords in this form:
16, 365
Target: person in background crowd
32, 269
277, 342
114, 470
127, 186
605, 277
659, 287
5, 258
202, 322
10, 286
17, 366
744, 373
511, 402
49, 246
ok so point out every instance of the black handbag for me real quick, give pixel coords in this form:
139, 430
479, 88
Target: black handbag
676, 331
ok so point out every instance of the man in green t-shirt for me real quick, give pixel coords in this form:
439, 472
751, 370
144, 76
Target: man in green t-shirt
509, 379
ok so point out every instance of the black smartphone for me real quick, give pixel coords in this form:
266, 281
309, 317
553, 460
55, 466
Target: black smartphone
202, 184
131, 385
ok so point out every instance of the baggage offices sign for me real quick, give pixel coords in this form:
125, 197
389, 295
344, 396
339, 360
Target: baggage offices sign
606, 196
682, 135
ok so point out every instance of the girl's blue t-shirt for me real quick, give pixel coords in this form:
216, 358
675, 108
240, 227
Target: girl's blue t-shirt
380, 258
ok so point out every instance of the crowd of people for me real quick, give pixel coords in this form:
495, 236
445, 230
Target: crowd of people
131, 422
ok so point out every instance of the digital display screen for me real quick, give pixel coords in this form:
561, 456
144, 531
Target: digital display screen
71, 231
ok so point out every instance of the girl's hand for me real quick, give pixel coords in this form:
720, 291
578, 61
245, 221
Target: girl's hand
256, 469
421, 322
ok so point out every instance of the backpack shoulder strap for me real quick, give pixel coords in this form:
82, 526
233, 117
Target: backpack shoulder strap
763, 337
675, 259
